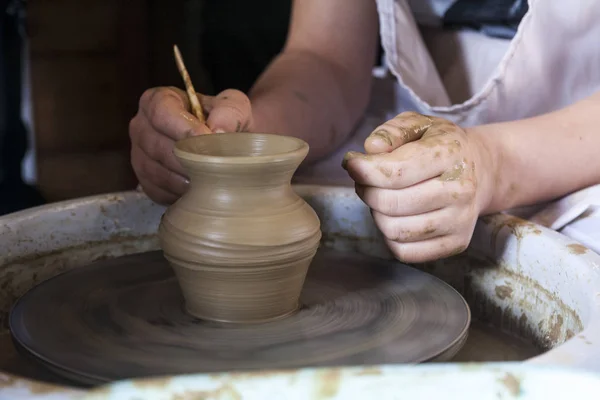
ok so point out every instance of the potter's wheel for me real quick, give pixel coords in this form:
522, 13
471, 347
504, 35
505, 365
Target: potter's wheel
124, 318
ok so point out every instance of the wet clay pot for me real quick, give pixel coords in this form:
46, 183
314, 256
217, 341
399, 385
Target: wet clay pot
240, 240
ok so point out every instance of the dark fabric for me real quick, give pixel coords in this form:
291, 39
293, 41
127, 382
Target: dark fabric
240, 38
14, 194
498, 18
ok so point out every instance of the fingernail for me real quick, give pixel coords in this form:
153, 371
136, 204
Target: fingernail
219, 131
192, 132
358, 189
186, 181
382, 135
350, 155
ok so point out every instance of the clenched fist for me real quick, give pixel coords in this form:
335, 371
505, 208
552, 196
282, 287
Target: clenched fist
422, 178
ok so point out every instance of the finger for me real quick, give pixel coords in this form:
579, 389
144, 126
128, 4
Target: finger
167, 110
158, 195
428, 250
150, 170
427, 196
207, 103
231, 112
415, 228
404, 128
408, 165
155, 145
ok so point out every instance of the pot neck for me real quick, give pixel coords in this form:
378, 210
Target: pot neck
251, 176
259, 187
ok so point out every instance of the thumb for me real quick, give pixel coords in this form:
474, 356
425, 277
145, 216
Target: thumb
230, 111
404, 128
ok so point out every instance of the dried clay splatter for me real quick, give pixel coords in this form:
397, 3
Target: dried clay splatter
455, 173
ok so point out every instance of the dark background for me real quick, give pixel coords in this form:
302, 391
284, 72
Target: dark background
89, 63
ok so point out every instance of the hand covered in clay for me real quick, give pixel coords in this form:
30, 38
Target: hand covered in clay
421, 178
163, 118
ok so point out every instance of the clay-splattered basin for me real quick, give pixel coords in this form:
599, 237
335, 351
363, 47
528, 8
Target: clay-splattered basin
523, 382
519, 276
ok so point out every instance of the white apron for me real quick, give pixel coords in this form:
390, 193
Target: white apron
471, 79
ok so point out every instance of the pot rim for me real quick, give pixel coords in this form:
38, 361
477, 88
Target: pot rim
299, 149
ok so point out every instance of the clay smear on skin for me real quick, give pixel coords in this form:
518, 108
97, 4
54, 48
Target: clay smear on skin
411, 234
412, 127
351, 155
385, 170
455, 173
407, 127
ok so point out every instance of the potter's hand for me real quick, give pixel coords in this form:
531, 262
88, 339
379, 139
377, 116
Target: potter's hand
421, 177
163, 118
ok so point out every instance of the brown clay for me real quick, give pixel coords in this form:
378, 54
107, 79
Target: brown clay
240, 240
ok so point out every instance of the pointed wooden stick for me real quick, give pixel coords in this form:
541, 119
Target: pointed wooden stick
189, 87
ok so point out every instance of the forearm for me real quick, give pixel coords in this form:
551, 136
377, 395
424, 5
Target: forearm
541, 158
304, 95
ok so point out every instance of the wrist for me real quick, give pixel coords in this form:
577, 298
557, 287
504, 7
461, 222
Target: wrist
487, 168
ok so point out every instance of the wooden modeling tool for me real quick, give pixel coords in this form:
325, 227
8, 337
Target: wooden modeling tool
189, 87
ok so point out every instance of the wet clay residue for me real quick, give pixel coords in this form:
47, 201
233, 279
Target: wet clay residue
555, 329
351, 155
225, 391
577, 249
503, 292
548, 333
512, 383
328, 384
455, 173
531, 310
486, 343
519, 228
370, 371
406, 127
152, 383
385, 170
7, 380
240, 239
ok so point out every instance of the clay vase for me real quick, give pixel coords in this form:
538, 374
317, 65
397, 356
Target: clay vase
240, 240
